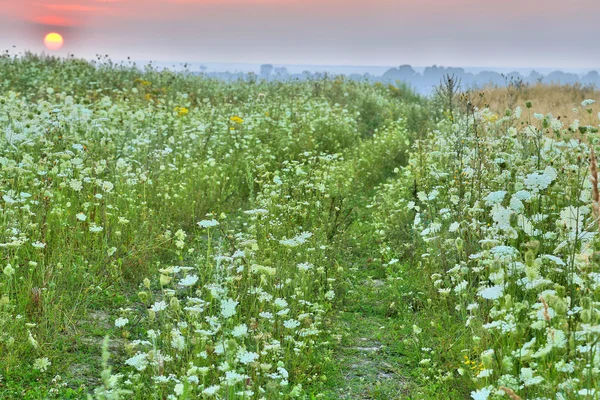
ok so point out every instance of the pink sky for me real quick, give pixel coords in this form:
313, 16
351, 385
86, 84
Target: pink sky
501, 33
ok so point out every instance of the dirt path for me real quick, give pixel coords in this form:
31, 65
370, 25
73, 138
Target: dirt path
369, 360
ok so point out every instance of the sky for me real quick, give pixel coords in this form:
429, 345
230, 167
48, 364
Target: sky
467, 33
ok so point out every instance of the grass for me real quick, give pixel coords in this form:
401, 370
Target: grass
560, 100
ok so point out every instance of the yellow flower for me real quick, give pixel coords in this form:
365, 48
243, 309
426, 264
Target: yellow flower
236, 119
181, 111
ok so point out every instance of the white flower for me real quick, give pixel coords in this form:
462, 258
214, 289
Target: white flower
239, 331
189, 280
41, 364
280, 303
177, 340
266, 315
121, 322
211, 390
232, 377
76, 185
208, 223
228, 308
95, 228
587, 102
491, 293
107, 186
528, 379
159, 306
139, 361
495, 197
81, 216
247, 357
453, 227
38, 245
504, 253
9, 270
305, 266
481, 394
540, 181
291, 324
297, 240
178, 389
518, 112
258, 211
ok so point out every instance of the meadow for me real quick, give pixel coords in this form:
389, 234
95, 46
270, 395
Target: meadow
168, 236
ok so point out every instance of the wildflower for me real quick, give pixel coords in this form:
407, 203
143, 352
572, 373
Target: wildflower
178, 390
208, 223
280, 303
297, 240
481, 394
181, 111
587, 102
139, 361
228, 308
236, 119
304, 266
239, 331
246, 357
177, 340
121, 322
81, 216
41, 364
189, 280
32, 340
291, 324
528, 378
211, 390
107, 186
266, 315
159, 306
76, 185
257, 211
495, 197
8, 270
95, 228
38, 245
491, 293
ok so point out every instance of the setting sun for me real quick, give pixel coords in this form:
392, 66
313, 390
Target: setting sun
53, 41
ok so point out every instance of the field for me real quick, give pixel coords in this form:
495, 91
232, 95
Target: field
166, 236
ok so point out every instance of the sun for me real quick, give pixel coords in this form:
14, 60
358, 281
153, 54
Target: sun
53, 41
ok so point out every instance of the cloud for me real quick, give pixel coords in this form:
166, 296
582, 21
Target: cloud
70, 7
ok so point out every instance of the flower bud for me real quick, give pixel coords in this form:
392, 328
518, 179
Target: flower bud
586, 316
174, 303
143, 296
529, 258
165, 280
459, 244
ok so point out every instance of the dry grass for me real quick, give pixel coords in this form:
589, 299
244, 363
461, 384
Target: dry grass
556, 99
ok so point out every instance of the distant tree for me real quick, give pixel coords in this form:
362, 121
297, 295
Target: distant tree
591, 78
563, 78
534, 77
266, 70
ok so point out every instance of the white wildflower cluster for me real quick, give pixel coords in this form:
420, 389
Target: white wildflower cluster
513, 244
